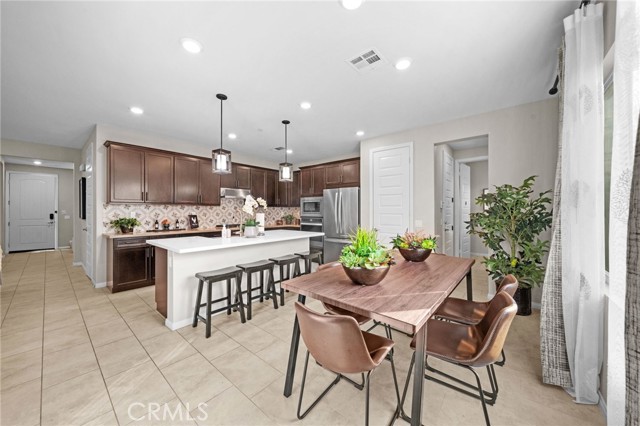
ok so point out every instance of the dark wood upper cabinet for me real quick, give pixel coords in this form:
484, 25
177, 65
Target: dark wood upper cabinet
333, 175
125, 175
312, 182
158, 176
271, 189
209, 184
318, 181
343, 174
284, 189
258, 181
243, 177
228, 180
186, 180
294, 200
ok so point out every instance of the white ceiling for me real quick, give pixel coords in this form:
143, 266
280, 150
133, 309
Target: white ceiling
69, 65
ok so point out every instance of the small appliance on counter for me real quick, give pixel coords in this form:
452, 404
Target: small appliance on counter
340, 219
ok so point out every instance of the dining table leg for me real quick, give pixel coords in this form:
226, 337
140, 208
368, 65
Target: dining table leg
293, 353
469, 286
418, 376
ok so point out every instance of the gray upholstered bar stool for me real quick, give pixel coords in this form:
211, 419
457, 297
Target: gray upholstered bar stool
210, 277
286, 264
309, 257
262, 267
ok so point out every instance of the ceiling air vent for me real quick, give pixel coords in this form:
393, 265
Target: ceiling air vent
278, 148
367, 61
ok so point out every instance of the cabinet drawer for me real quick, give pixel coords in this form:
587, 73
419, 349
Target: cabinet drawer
130, 242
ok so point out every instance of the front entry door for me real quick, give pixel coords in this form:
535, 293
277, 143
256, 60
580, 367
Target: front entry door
32, 207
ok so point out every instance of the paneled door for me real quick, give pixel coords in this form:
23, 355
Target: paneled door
464, 180
392, 191
447, 204
33, 205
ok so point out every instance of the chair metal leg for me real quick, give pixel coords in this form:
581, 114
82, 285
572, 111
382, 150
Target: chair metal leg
480, 394
272, 285
239, 300
208, 332
196, 310
304, 379
400, 412
249, 294
229, 296
366, 404
488, 397
503, 360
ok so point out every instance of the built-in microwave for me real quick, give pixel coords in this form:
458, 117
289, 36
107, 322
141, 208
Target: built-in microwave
311, 206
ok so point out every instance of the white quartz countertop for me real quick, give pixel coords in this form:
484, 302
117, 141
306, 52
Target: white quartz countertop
197, 244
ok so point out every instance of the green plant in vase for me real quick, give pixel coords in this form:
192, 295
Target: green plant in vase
414, 246
365, 260
125, 224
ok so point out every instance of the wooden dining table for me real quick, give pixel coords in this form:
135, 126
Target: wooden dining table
405, 299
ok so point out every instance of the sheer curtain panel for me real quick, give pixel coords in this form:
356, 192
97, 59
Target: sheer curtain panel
582, 203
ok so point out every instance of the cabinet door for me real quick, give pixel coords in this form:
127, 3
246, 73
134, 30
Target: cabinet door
283, 193
243, 177
333, 175
258, 182
126, 175
228, 180
271, 189
186, 179
209, 185
158, 177
306, 183
318, 181
351, 173
294, 200
130, 267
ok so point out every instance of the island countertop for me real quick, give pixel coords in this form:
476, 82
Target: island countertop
198, 244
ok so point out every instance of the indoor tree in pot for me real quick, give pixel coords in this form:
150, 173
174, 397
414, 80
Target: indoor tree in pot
510, 225
365, 260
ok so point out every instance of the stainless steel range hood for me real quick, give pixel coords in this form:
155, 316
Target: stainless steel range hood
234, 193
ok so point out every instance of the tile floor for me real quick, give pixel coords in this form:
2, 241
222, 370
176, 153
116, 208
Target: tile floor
75, 355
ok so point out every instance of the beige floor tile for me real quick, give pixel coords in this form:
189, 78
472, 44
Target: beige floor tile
121, 355
246, 371
62, 319
172, 413
166, 349
106, 419
148, 326
133, 390
62, 338
16, 323
67, 363
216, 345
248, 335
21, 368
75, 401
21, 404
277, 355
100, 315
231, 408
22, 341
195, 380
111, 331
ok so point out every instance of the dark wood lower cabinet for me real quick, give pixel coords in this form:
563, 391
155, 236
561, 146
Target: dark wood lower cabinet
131, 264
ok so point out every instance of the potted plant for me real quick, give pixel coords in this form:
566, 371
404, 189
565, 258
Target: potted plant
414, 246
250, 226
510, 225
365, 261
288, 219
125, 224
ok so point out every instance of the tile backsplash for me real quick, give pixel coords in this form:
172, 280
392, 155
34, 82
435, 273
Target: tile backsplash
229, 211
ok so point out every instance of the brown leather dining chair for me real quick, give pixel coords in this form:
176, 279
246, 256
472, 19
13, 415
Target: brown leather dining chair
339, 346
470, 312
470, 347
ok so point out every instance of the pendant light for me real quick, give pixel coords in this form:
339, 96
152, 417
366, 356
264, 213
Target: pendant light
286, 168
221, 157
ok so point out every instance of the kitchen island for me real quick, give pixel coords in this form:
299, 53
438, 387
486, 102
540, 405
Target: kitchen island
177, 260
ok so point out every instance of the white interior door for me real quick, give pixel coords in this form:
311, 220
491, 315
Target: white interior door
447, 203
88, 225
464, 239
32, 206
392, 192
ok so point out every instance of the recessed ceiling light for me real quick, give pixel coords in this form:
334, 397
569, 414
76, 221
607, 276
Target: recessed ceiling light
305, 105
403, 64
37, 162
351, 4
136, 110
191, 45
359, 133
289, 151
232, 136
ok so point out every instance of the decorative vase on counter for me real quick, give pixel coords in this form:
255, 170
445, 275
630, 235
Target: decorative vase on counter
260, 222
250, 231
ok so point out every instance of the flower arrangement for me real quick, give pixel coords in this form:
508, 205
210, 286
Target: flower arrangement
365, 251
414, 240
251, 206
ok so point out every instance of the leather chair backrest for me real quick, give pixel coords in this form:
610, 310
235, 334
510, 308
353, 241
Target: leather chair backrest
508, 284
494, 328
335, 341
328, 265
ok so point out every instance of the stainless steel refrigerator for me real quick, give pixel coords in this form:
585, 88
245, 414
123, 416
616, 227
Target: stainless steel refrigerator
340, 219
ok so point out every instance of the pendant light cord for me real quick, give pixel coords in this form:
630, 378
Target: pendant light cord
221, 124
285, 144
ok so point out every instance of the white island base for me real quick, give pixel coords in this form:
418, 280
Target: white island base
179, 259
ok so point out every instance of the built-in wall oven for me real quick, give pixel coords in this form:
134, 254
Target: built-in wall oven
310, 207
312, 224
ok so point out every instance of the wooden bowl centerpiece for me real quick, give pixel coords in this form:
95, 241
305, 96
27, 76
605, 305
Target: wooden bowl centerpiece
414, 246
365, 261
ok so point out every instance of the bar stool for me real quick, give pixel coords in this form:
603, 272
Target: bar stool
211, 277
261, 267
309, 257
285, 263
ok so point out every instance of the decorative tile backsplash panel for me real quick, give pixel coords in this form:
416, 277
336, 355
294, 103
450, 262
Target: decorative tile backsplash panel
229, 211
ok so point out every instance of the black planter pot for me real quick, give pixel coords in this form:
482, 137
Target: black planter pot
523, 299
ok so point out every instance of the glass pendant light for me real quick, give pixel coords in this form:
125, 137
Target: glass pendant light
286, 168
221, 157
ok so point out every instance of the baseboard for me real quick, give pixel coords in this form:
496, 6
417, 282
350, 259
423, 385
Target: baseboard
100, 285
602, 404
78, 264
536, 305
479, 254
178, 324
64, 247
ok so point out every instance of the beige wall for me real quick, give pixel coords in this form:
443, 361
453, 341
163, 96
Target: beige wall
66, 199
479, 180
522, 142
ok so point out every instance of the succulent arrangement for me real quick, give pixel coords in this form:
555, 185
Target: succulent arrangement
414, 240
365, 251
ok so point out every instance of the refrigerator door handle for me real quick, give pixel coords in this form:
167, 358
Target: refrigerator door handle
335, 213
341, 228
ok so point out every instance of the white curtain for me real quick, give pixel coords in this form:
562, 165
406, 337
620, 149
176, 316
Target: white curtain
582, 203
626, 109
